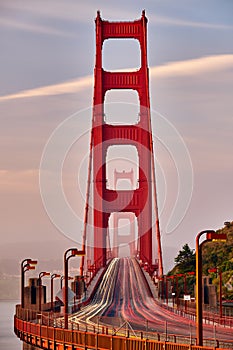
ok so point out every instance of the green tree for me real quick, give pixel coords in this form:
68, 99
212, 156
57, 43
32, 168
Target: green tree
185, 260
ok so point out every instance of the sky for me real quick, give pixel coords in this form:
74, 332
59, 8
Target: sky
46, 66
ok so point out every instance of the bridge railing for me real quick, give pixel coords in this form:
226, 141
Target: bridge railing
94, 269
32, 322
209, 316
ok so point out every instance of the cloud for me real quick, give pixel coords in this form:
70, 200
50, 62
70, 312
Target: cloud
69, 10
68, 87
169, 70
19, 181
73, 11
193, 66
35, 28
182, 23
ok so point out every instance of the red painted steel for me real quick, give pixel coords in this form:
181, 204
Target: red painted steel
137, 201
123, 239
47, 337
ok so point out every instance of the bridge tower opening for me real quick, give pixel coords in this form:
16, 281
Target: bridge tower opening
137, 201
124, 235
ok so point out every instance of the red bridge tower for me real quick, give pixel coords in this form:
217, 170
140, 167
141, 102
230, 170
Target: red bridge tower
139, 200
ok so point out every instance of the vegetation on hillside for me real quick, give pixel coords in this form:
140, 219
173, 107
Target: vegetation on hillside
185, 262
214, 255
220, 255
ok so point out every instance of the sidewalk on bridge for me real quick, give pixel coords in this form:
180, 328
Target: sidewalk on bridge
93, 284
153, 288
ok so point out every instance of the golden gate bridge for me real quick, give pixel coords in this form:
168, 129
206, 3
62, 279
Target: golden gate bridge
107, 201
121, 310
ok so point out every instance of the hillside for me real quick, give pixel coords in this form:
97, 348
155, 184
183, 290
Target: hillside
220, 255
214, 254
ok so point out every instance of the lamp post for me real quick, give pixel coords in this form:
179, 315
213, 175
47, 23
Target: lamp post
41, 274
62, 278
61, 281
172, 287
177, 288
177, 291
220, 293
69, 253
210, 236
26, 265
166, 286
173, 293
161, 287
54, 275
218, 270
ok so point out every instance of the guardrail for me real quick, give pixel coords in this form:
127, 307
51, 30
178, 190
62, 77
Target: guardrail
211, 315
46, 330
208, 316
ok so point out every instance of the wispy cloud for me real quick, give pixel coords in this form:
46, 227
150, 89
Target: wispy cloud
72, 11
171, 69
18, 181
68, 87
193, 66
34, 28
184, 23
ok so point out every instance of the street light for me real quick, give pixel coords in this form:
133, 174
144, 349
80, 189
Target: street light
73, 252
161, 287
210, 236
218, 270
62, 278
177, 287
41, 274
172, 288
54, 275
26, 265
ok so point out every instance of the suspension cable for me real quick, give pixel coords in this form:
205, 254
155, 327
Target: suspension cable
157, 228
87, 202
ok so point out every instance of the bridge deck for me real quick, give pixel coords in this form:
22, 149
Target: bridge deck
121, 315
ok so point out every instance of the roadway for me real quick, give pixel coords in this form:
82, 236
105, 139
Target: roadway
124, 294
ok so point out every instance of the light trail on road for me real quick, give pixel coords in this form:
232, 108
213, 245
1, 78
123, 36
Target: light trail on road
124, 294
102, 297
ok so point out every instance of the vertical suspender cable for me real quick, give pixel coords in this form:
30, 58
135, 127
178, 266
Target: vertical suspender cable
87, 203
157, 228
